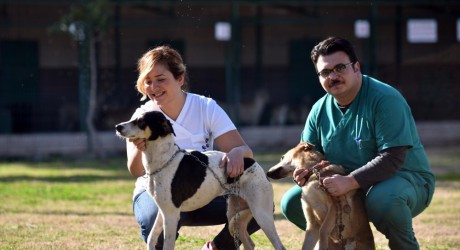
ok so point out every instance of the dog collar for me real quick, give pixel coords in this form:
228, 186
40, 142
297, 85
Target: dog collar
316, 169
167, 163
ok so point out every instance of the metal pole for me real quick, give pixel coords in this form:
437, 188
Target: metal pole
236, 60
228, 78
83, 78
372, 40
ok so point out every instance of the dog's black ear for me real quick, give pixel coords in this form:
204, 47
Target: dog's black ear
168, 128
158, 123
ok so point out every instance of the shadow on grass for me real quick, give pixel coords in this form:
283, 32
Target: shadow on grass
69, 163
91, 213
66, 179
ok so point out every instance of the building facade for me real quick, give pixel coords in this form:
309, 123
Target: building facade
264, 66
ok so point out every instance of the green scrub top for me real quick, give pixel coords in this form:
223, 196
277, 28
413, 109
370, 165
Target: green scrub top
378, 118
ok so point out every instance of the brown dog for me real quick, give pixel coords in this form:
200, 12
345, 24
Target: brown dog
338, 222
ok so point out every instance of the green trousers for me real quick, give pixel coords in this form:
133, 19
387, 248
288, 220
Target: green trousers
390, 206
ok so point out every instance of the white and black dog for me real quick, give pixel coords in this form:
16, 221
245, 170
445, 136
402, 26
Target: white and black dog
182, 180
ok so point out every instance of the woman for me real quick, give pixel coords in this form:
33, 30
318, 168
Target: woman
198, 123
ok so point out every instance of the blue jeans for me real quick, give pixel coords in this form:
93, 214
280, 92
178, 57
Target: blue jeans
390, 205
146, 210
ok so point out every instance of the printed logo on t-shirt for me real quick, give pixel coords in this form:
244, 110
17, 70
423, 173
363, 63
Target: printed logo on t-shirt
205, 147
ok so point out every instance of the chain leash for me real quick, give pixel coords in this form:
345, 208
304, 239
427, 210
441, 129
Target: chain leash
338, 214
227, 190
338, 221
233, 190
167, 163
236, 230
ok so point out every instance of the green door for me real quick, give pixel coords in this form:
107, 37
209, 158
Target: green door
304, 85
19, 85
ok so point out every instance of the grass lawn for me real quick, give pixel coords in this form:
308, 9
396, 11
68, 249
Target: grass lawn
68, 204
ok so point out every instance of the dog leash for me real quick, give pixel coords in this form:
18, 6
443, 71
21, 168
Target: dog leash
338, 216
229, 191
337, 202
233, 190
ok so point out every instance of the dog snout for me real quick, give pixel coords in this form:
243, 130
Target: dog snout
280, 171
119, 128
274, 174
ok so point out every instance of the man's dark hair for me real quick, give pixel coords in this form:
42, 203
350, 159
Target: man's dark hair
332, 45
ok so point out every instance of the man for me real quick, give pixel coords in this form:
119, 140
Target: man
366, 126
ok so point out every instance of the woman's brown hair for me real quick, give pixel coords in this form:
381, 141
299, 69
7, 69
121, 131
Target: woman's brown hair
163, 55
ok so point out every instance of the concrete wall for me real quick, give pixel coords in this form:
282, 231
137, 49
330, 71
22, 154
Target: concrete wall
39, 146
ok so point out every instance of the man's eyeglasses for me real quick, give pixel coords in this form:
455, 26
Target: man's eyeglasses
338, 69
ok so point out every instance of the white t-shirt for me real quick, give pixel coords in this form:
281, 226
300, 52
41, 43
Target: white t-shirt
200, 121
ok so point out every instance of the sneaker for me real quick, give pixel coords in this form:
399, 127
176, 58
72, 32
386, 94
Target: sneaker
209, 246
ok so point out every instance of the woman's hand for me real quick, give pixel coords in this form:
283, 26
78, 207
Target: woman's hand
138, 143
134, 147
234, 161
232, 143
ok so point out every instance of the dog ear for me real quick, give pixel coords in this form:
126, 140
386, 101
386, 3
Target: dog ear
307, 146
304, 146
168, 128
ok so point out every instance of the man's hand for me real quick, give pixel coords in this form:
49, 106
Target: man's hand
299, 176
338, 185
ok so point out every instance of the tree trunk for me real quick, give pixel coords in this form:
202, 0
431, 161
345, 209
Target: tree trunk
94, 145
